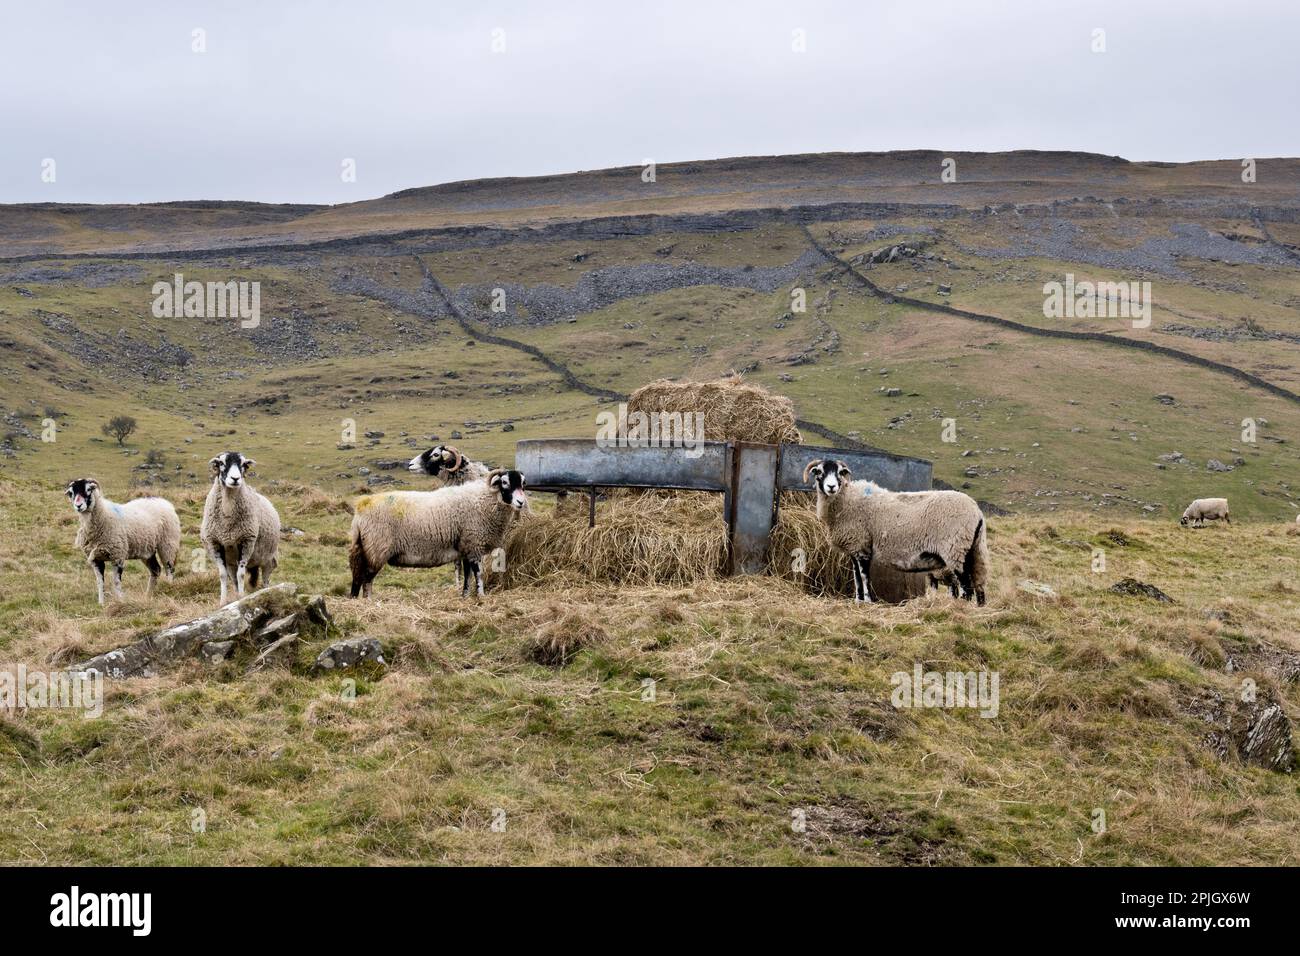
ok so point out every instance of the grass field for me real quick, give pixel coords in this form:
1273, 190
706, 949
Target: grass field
770, 736
767, 704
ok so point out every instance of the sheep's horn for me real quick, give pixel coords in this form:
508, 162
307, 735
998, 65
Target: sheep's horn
460, 459
808, 471
494, 474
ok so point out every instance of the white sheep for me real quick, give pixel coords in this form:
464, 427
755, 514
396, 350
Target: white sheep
425, 529
1205, 509
241, 528
448, 466
940, 532
146, 529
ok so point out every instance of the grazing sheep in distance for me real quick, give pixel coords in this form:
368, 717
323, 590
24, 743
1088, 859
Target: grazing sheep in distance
940, 532
425, 529
1205, 509
146, 529
241, 528
448, 465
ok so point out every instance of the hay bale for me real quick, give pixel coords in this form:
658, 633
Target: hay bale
800, 550
734, 410
636, 540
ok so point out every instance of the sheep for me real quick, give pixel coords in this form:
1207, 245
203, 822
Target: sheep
425, 529
241, 528
940, 532
1205, 509
144, 528
448, 465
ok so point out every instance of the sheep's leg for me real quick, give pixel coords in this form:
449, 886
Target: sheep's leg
478, 576
254, 575
866, 579
217, 555
241, 570
857, 579
118, 568
863, 562
462, 565
99, 579
155, 569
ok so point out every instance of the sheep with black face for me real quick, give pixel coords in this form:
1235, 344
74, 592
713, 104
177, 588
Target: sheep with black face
938, 532
241, 528
144, 529
425, 529
447, 466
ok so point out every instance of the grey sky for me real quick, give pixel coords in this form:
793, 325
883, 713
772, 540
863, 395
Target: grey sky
413, 92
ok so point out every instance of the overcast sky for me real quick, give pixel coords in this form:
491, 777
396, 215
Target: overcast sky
413, 91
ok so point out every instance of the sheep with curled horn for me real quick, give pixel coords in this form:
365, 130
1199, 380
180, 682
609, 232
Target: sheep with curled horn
447, 466
939, 532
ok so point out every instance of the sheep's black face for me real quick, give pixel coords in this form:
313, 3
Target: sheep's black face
82, 494
425, 463
510, 485
437, 460
232, 468
828, 476
1183, 520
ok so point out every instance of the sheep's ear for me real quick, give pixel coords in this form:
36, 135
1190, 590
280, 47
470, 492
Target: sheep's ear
249, 464
807, 472
92, 485
844, 470
215, 464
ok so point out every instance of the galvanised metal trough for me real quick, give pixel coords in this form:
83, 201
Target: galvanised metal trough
749, 476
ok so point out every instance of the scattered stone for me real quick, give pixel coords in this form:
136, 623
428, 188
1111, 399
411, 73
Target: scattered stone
1255, 731
1037, 588
1215, 465
1135, 588
1166, 400
350, 653
214, 652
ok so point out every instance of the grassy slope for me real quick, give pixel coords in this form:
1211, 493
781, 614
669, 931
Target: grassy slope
767, 702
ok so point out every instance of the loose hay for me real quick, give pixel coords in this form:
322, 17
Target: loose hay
734, 410
679, 540
636, 540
